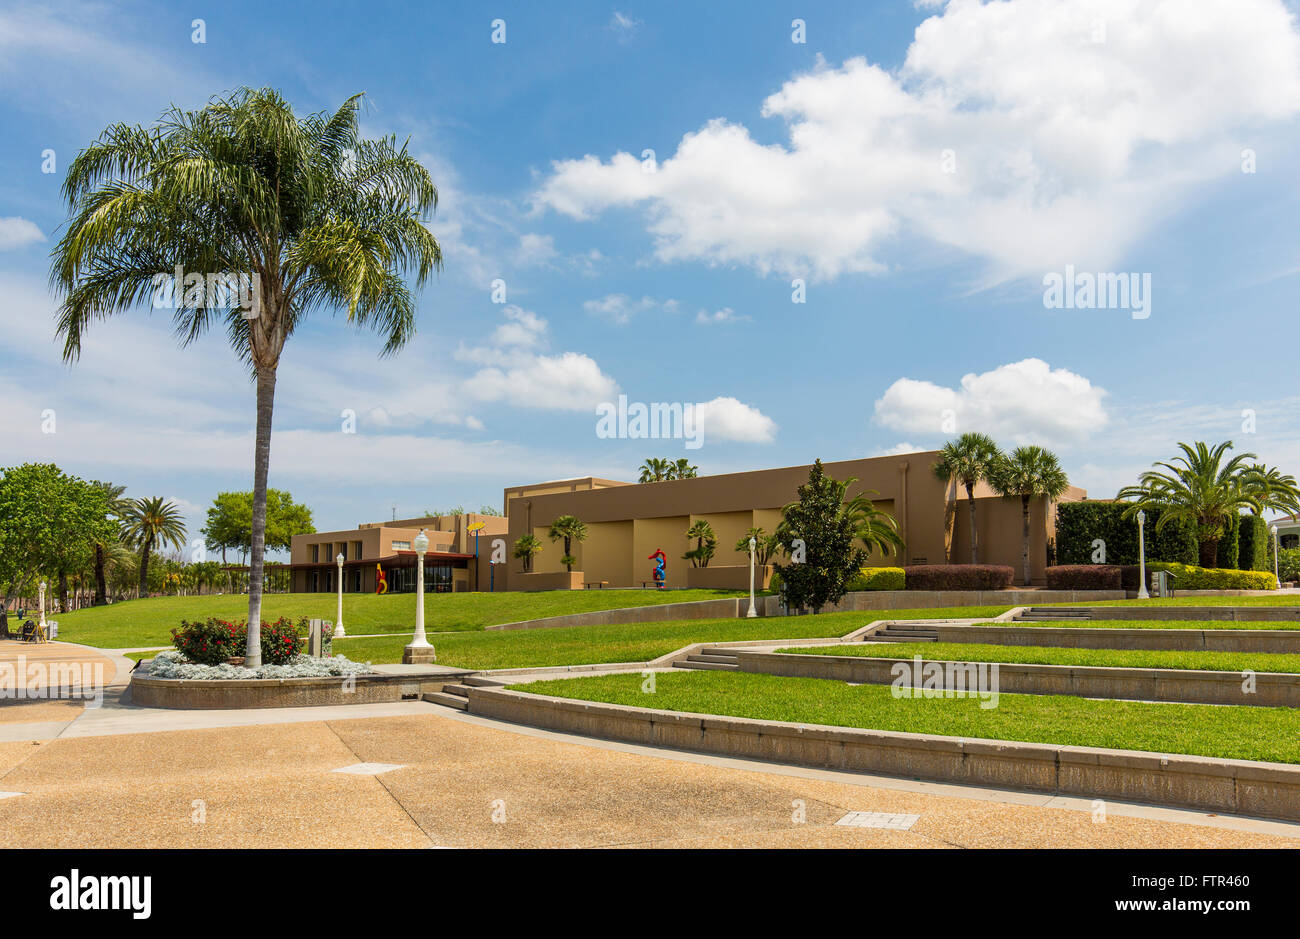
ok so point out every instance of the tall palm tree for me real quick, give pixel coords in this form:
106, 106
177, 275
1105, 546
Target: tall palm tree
571, 529
317, 217
1030, 473
1199, 488
683, 469
654, 470
968, 460
116, 510
1272, 490
153, 523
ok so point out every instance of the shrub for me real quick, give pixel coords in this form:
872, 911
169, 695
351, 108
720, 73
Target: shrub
213, 641
1288, 564
1190, 577
1130, 576
1079, 524
1085, 577
1252, 545
879, 578
1226, 558
958, 577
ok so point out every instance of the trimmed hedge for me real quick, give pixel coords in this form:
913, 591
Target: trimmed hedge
879, 578
1252, 545
1078, 524
1226, 559
1086, 577
1190, 577
958, 576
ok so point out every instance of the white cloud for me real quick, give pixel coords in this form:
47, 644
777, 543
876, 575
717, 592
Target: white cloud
18, 233
730, 419
1025, 402
1064, 149
535, 249
623, 24
898, 449
718, 317
620, 308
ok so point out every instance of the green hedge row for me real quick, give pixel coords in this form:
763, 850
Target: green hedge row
1253, 553
879, 578
1190, 577
1078, 524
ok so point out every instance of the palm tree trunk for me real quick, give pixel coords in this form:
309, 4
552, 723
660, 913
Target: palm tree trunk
970, 501
101, 587
143, 590
261, 467
1209, 552
1024, 534
63, 591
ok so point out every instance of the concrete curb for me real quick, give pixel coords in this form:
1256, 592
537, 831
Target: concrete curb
1242, 787
1101, 637
1187, 686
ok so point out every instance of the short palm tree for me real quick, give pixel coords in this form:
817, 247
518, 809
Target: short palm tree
1199, 488
1029, 473
525, 547
875, 528
569, 528
149, 524
968, 460
654, 470
765, 545
317, 217
706, 544
1271, 489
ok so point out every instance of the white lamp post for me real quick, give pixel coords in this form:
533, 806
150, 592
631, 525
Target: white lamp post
419, 651
338, 621
1277, 580
42, 591
752, 544
1142, 557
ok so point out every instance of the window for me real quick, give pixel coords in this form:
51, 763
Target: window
356, 580
356, 551
401, 546
315, 554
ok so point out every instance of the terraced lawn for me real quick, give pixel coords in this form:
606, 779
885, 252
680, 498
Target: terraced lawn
1045, 655
1246, 733
634, 642
1277, 600
1162, 624
149, 622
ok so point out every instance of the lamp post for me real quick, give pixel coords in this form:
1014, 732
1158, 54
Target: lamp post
752, 544
419, 651
1277, 580
338, 620
42, 592
1142, 557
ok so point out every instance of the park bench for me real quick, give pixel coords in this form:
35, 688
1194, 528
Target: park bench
598, 584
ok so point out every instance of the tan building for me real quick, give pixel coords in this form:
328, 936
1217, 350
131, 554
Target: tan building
450, 564
627, 522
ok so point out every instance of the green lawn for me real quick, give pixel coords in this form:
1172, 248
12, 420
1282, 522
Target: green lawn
149, 622
1160, 624
637, 642
1247, 733
1044, 655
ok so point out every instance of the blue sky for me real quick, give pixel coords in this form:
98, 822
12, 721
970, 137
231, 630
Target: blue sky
921, 167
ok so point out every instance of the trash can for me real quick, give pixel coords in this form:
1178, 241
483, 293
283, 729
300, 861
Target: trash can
51, 629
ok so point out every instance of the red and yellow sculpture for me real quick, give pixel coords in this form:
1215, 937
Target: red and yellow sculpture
381, 582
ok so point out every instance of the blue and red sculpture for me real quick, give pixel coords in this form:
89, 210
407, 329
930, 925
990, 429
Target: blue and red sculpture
660, 572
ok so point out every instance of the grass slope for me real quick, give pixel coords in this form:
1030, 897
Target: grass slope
1041, 655
149, 622
1247, 733
636, 642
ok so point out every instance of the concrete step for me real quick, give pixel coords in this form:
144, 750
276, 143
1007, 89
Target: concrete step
482, 681
881, 637
713, 666
461, 691
717, 659
450, 700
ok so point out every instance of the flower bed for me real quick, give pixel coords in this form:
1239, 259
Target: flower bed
175, 665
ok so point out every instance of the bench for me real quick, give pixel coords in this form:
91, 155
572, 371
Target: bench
598, 584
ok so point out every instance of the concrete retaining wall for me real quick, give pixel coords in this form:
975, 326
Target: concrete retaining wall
1270, 790
281, 693
1272, 689
1100, 637
1270, 614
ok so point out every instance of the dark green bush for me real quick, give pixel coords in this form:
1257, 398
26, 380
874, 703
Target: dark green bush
1226, 558
1078, 524
1085, 577
1252, 545
958, 576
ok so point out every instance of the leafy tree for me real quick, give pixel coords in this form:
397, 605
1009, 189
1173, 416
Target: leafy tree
654, 470
819, 519
1200, 488
152, 523
117, 510
490, 510
1272, 490
49, 525
319, 219
230, 522
1028, 473
525, 547
570, 529
765, 545
967, 460
706, 544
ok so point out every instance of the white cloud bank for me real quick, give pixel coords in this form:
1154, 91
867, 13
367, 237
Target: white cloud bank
730, 419
18, 233
1025, 402
1029, 133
